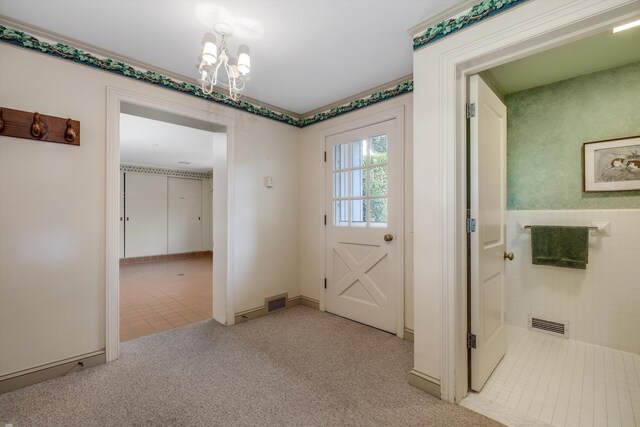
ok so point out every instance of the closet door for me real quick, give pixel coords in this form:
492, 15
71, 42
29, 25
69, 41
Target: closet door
121, 239
145, 215
185, 213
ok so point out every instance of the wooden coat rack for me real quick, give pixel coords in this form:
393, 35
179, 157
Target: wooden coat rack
23, 124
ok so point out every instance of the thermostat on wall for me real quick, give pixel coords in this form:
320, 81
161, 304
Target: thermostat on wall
268, 181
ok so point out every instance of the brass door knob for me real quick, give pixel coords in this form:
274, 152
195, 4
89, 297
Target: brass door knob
509, 256
388, 237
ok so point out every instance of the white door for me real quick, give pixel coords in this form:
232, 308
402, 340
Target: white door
145, 215
185, 215
488, 175
121, 239
363, 241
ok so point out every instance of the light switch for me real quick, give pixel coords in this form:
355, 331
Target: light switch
268, 181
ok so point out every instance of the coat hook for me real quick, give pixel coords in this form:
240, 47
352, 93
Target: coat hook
36, 126
1, 121
69, 134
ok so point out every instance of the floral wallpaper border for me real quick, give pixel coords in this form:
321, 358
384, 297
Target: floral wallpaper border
356, 104
70, 53
477, 13
60, 50
165, 172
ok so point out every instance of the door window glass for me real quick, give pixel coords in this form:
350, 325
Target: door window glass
360, 178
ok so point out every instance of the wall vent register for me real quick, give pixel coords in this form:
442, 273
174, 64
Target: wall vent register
277, 304
549, 327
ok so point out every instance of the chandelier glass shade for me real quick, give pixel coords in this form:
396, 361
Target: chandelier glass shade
214, 59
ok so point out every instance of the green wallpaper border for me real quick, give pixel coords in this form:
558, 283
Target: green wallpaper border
70, 53
356, 104
164, 171
478, 12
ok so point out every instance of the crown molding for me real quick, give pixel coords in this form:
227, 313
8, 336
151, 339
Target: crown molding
452, 12
360, 95
448, 26
53, 37
358, 103
75, 51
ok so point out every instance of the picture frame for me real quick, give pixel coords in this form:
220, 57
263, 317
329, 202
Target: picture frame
611, 165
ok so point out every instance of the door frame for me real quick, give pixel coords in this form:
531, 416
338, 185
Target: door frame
223, 217
396, 113
441, 94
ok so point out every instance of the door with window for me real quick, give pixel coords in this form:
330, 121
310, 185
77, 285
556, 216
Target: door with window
363, 243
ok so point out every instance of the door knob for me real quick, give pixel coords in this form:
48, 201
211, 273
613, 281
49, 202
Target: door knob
509, 256
388, 237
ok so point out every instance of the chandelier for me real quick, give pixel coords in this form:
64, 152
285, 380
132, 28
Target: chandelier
236, 71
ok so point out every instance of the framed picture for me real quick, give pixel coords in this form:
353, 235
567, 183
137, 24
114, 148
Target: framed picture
612, 165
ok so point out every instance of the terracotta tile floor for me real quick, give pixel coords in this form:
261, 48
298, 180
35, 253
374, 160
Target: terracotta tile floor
160, 295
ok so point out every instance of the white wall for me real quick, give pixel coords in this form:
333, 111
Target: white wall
600, 303
52, 220
312, 230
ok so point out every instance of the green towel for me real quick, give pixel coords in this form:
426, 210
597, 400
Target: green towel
560, 246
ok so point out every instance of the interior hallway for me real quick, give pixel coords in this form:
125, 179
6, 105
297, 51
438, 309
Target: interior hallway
160, 295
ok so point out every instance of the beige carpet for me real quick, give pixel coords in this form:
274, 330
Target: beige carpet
298, 367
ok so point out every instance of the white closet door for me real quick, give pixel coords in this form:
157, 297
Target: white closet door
145, 215
121, 240
185, 214
207, 214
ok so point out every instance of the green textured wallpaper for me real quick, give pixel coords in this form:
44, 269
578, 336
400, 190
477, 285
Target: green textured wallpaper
547, 126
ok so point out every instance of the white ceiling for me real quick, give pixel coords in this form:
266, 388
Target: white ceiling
147, 142
588, 55
311, 53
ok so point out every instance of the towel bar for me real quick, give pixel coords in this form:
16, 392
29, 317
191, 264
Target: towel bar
591, 228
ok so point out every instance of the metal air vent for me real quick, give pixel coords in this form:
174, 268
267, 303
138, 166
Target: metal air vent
276, 304
549, 327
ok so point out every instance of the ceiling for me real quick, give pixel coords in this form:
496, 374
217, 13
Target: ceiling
306, 54
154, 143
588, 55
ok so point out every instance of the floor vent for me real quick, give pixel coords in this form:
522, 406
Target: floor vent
549, 327
277, 303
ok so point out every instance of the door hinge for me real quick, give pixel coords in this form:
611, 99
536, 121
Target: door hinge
471, 225
325, 283
325, 220
471, 340
471, 110
325, 156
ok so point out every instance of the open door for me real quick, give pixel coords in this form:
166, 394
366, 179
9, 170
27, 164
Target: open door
488, 183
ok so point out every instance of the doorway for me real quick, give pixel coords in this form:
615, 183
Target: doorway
440, 135
166, 221
222, 211
569, 356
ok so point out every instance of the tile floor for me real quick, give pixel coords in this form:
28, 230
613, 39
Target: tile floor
548, 380
160, 295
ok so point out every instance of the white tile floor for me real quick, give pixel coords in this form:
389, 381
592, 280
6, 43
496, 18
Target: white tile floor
560, 382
